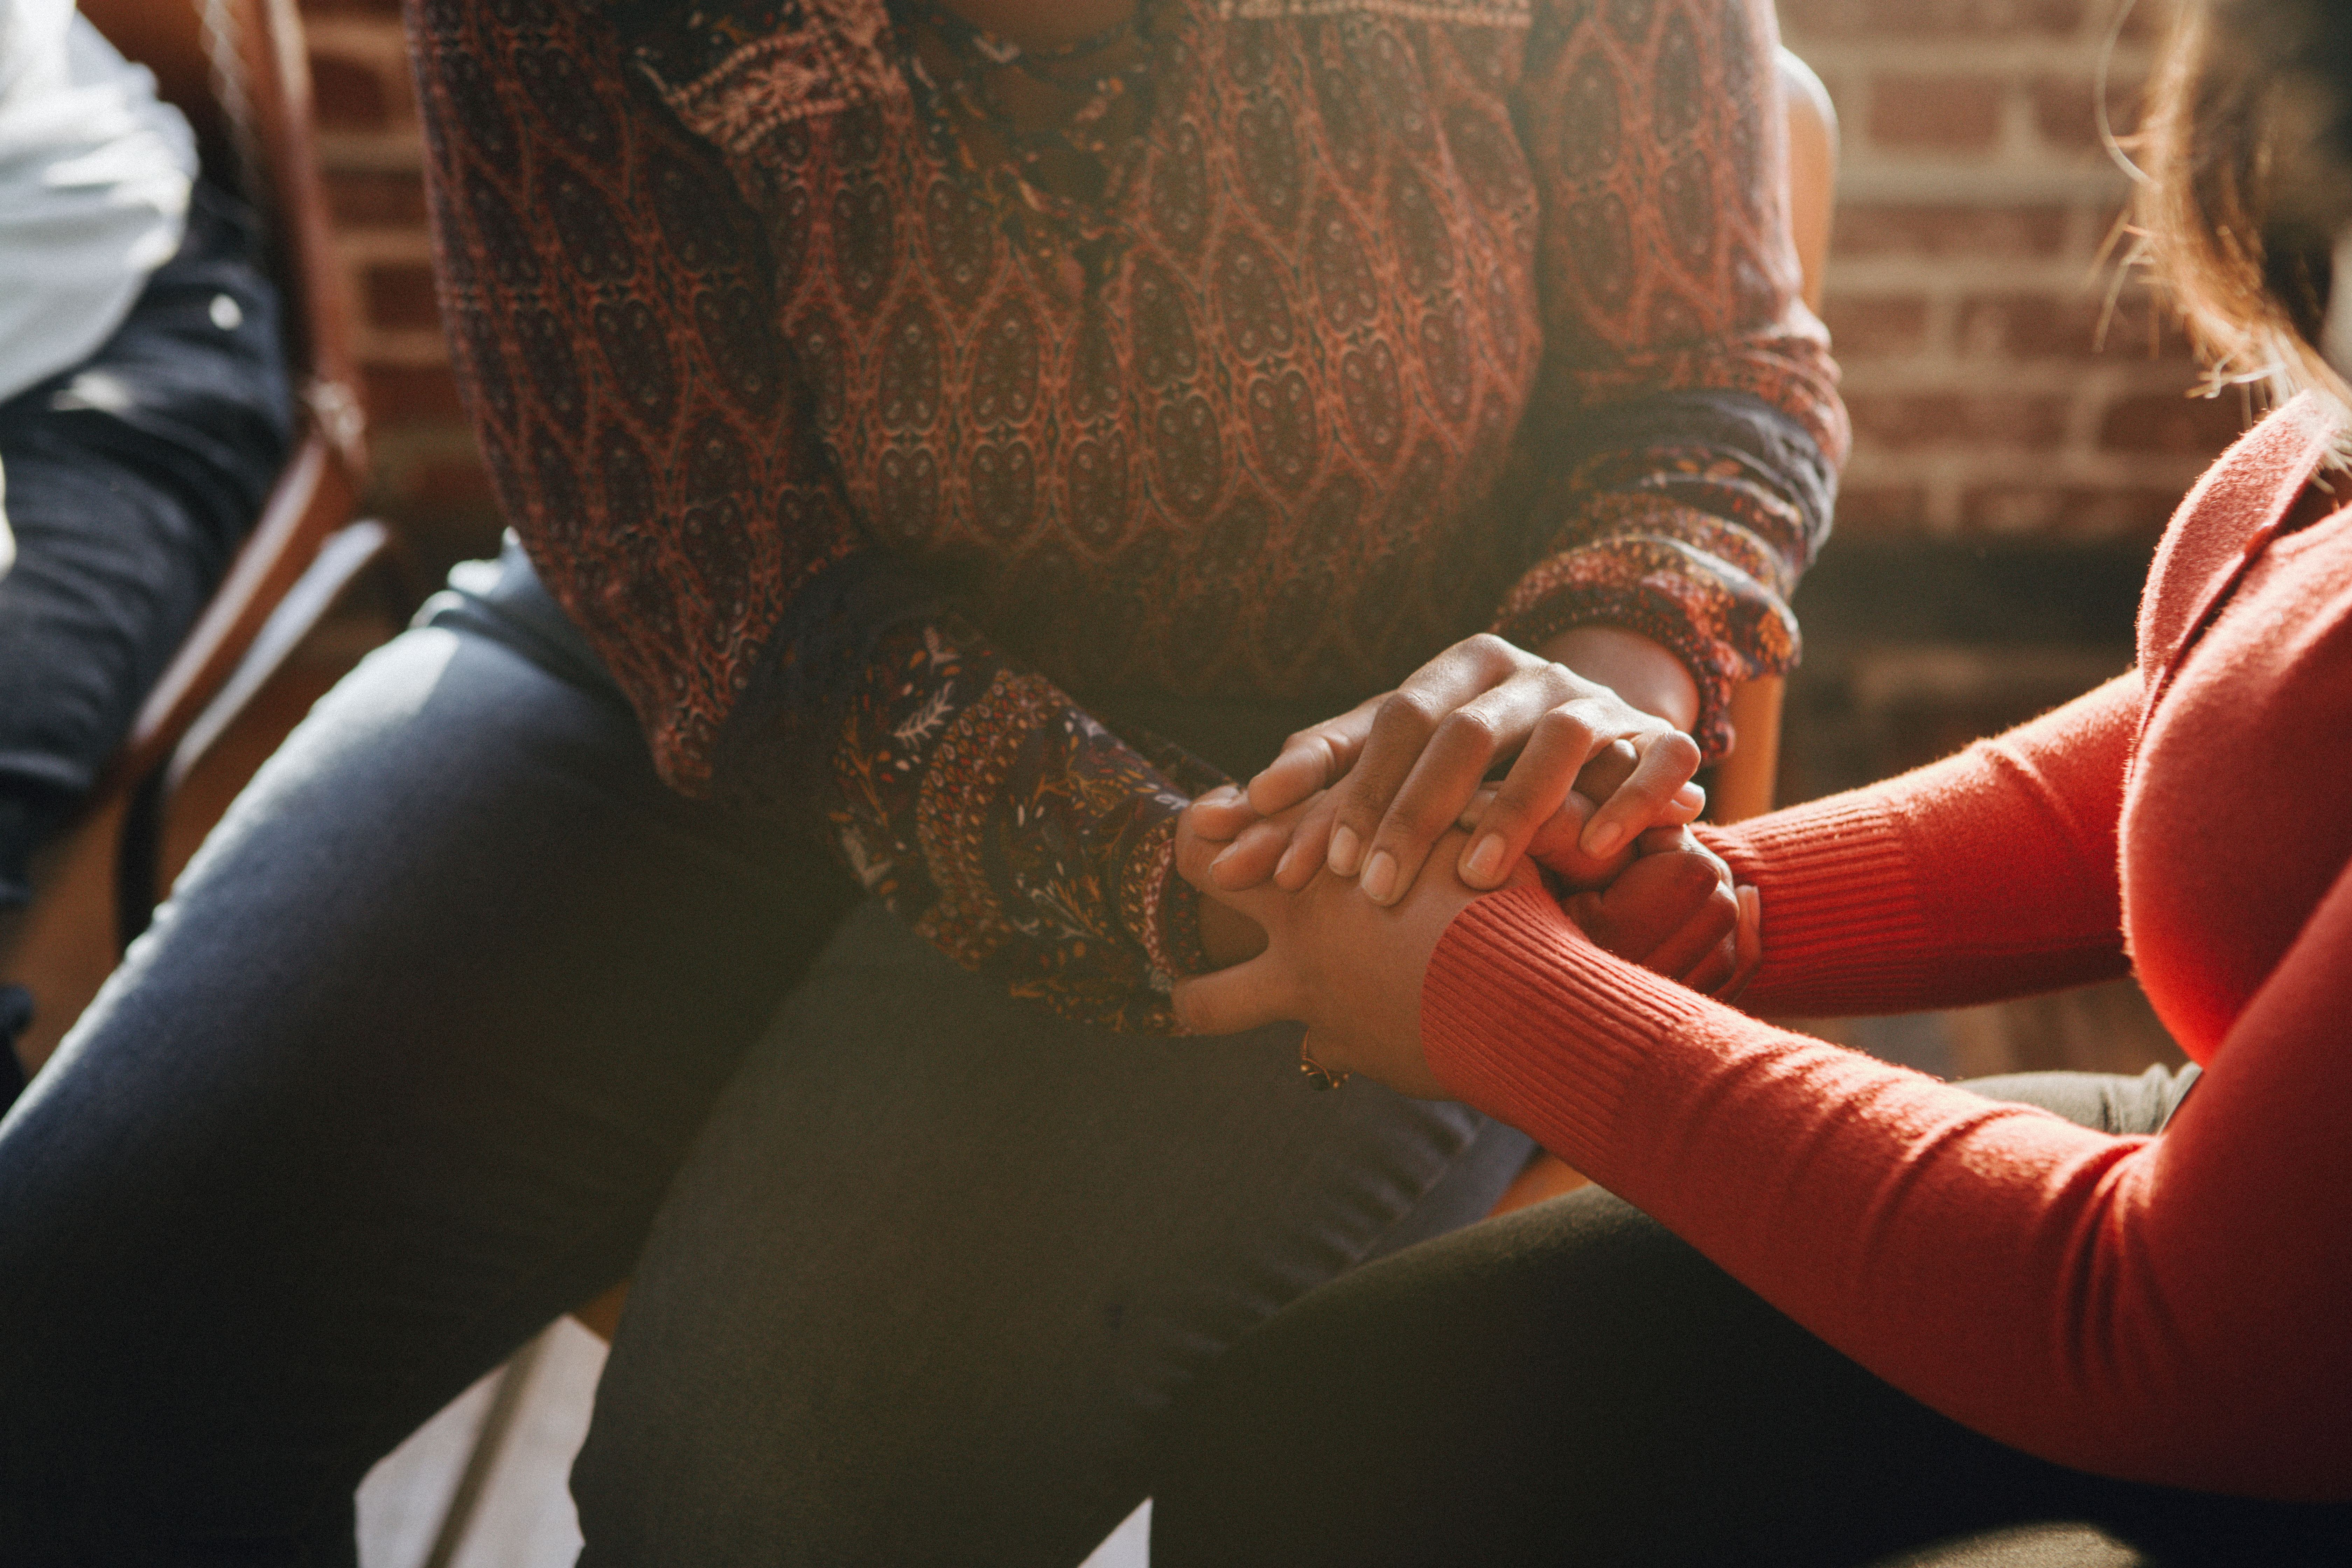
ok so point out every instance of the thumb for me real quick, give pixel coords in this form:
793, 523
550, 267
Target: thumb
1228, 1001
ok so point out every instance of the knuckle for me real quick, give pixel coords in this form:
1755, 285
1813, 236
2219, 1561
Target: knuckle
1694, 879
1564, 726
1489, 651
1470, 731
1408, 710
1415, 822
1512, 798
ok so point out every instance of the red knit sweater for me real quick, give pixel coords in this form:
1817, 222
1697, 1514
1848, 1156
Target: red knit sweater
2171, 1308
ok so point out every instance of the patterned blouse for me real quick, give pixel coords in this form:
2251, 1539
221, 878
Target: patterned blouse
865, 463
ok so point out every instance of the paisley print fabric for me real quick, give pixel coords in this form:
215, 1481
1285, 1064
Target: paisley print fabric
1394, 321
1017, 835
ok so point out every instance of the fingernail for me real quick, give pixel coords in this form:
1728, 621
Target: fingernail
1344, 851
1380, 877
1602, 841
1485, 859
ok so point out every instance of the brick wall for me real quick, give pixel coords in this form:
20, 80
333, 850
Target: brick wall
429, 481
2010, 473
2013, 462
1966, 288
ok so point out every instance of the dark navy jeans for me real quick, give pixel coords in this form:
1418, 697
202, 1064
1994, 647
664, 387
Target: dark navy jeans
460, 1016
132, 479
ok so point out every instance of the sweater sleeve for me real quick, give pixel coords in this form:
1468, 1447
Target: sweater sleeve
1686, 426
2167, 1309
1990, 873
610, 304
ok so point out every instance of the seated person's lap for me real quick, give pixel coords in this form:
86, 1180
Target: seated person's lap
415, 1051
1573, 1384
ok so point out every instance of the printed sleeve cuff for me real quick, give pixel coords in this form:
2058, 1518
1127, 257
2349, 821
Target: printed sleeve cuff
1161, 909
1724, 625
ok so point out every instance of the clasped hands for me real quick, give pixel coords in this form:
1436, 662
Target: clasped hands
1326, 887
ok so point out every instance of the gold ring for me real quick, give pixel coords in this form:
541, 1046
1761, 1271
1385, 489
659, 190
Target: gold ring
1318, 1076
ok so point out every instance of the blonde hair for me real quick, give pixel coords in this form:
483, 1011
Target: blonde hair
2248, 183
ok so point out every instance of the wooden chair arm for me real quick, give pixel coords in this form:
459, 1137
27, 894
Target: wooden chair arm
312, 497
1746, 780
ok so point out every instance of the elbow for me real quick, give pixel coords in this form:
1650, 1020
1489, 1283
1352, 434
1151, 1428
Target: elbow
2281, 1432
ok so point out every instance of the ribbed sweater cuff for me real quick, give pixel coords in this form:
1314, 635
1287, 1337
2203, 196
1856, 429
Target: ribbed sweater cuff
1841, 902
1528, 1021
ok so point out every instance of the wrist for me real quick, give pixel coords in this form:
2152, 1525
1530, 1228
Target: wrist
1640, 670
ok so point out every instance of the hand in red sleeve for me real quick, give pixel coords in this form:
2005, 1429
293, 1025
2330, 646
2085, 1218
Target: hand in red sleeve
1676, 911
1350, 970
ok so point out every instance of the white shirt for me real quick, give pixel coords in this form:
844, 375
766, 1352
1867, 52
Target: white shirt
94, 180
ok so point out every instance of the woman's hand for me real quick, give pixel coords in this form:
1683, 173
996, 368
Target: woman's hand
1352, 971
1396, 773
1677, 911
1347, 968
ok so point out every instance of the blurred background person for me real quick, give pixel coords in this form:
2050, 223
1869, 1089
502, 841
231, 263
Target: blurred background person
144, 415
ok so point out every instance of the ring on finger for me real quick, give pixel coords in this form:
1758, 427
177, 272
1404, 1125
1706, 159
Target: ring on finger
1319, 1076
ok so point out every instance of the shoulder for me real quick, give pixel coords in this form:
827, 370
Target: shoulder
2249, 488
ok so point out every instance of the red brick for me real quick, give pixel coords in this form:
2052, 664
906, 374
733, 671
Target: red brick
2167, 422
1880, 512
400, 294
1871, 328
2045, 326
349, 95
1930, 18
2066, 111
400, 394
2063, 512
1956, 114
369, 200
1912, 419
1926, 229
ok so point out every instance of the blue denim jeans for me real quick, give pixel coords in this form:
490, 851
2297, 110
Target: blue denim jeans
460, 1016
132, 478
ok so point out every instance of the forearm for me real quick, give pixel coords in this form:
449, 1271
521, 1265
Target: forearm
2154, 1310
1011, 830
1990, 873
1687, 422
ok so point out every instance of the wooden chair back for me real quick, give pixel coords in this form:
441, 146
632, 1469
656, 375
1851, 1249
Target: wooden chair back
237, 69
